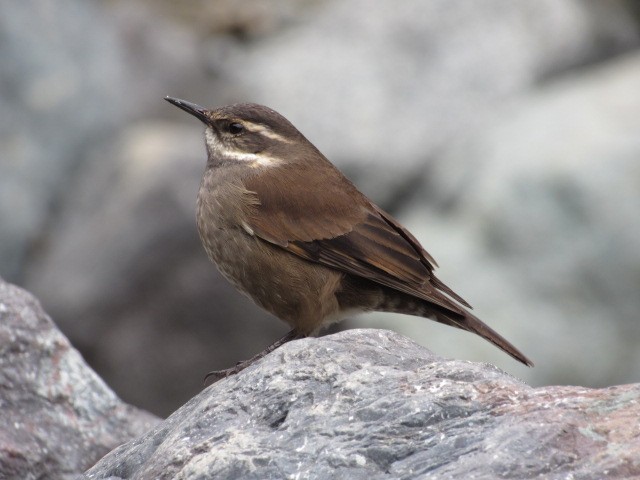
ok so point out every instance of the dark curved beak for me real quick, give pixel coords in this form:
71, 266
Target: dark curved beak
195, 110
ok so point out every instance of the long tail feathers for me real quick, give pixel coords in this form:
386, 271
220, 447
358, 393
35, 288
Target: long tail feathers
446, 311
473, 324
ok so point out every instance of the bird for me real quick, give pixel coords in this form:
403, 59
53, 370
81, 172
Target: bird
286, 228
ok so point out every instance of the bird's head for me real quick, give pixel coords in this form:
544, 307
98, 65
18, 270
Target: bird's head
245, 132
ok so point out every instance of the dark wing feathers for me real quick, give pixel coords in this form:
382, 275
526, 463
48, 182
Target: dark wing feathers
289, 210
429, 260
392, 262
349, 233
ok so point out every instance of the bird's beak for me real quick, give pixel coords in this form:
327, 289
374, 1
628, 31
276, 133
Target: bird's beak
195, 110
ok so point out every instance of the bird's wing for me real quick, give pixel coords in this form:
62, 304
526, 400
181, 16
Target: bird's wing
343, 230
346, 231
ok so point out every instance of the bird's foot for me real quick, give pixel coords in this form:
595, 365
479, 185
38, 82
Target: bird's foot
217, 375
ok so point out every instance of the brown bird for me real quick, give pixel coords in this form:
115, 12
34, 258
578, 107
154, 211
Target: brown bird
290, 231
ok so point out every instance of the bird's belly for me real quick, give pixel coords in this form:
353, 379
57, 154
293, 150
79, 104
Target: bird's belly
295, 290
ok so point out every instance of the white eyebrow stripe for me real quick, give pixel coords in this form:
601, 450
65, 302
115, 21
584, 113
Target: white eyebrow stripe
267, 132
217, 148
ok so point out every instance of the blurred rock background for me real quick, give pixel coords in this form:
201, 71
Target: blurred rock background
505, 134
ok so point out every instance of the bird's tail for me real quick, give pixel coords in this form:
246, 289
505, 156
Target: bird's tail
454, 316
473, 324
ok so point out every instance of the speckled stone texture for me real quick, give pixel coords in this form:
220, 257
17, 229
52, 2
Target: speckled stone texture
57, 417
371, 404
503, 134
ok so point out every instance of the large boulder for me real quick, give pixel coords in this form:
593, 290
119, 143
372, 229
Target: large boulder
105, 185
369, 404
382, 94
58, 417
138, 288
535, 223
57, 94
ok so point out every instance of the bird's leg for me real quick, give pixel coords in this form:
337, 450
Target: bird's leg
220, 374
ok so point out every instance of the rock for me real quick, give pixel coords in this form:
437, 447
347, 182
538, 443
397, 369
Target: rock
381, 94
58, 417
536, 224
139, 289
107, 201
369, 404
57, 95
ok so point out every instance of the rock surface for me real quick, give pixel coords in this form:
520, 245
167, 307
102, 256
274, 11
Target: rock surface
535, 221
138, 286
57, 416
47, 121
388, 90
369, 404
416, 104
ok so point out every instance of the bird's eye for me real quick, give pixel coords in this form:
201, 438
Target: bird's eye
236, 128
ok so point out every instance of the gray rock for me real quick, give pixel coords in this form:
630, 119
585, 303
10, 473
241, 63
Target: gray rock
106, 206
381, 94
57, 94
371, 404
536, 224
64, 93
58, 417
138, 288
